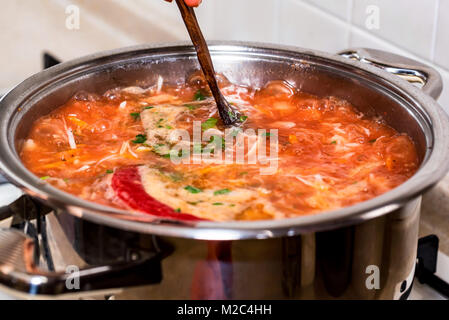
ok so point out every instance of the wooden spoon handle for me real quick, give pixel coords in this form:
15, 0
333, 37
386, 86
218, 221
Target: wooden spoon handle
189, 17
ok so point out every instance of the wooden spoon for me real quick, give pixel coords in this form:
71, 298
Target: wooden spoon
228, 115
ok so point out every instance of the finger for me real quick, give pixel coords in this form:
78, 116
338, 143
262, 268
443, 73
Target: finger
193, 3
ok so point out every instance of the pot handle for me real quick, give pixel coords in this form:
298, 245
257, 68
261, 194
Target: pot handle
11, 193
408, 69
19, 272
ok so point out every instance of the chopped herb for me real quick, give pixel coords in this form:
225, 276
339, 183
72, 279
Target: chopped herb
194, 203
334, 142
372, 141
178, 210
180, 155
135, 115
220, 192
45, 178
168, 127
183, 155
217, 204
191, 108
208, 150
193, 190
218, 141
109, 171
148, 108
199, 96
243, 173
209, 124
176, 177
232, 205
66, 180
267, 134
243, 118
140, 138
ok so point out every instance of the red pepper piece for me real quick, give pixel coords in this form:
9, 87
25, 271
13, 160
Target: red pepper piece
127, 184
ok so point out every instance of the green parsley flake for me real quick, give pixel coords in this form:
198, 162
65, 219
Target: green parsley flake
135, 115
140, 138
191, 108
209, 124
221, 192
199, 96
193, 190
219, 142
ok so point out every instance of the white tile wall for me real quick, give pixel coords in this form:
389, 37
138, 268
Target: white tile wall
415, 28
243, 20
341, 8
295, 29
409, 24
442, 35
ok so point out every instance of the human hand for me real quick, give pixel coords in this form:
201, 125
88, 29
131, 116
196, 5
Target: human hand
190, 3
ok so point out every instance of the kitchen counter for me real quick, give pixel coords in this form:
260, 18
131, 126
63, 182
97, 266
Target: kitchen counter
435, 214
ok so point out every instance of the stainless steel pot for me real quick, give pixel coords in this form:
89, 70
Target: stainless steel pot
338, 254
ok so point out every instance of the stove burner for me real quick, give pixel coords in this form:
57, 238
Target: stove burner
49, 60
426, 266
110, 265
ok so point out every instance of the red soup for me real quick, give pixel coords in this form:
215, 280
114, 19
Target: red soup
118, 149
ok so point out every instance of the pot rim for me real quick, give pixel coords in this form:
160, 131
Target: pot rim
434, 166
